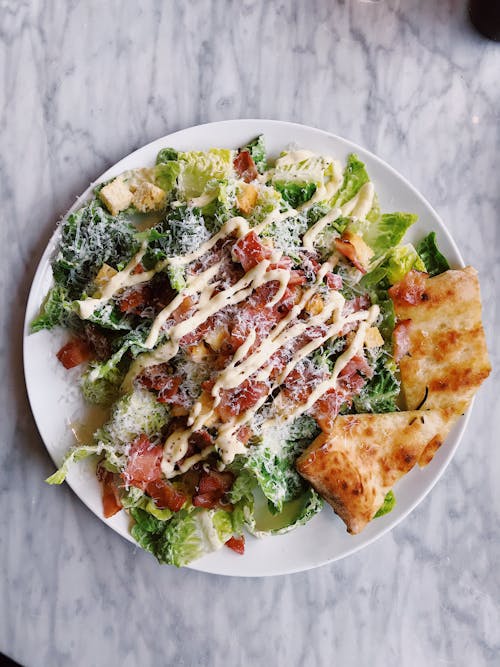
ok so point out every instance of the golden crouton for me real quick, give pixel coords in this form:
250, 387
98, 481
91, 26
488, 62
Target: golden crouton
247, 198
116, 196
148, 197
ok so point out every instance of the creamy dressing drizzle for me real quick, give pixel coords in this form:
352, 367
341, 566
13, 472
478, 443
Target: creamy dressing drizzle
243, 365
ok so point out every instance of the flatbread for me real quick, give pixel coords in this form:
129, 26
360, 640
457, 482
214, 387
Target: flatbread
448, 359
357, 463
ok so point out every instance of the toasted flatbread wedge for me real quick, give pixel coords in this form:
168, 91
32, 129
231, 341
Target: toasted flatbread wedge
357, 463
447, 359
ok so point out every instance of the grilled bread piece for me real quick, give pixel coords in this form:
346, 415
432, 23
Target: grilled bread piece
357, 463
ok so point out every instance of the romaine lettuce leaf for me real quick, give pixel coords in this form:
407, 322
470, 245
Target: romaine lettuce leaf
387, 506
387, 231
435, 262
257, 150
198, 169
187, 536
355, 176
294, 513
56, 310
400, 260
133, 414
380, 393
73, 455
272, 460
91, 237
295, 193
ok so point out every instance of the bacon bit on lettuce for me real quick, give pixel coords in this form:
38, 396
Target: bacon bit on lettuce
165, 495
211, 488
134, 299
245, 167
144, 471
333, 281
411, 289
401, 339
144, 462
235, 401
74, 353
237, 544
250, 251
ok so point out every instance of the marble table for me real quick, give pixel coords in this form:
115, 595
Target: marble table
85, 83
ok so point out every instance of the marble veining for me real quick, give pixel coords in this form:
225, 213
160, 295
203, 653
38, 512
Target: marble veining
84, 83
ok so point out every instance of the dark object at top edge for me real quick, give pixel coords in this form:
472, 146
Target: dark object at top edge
485, 17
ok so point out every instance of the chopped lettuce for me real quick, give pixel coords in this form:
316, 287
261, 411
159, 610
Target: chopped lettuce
400, 260
432, 258
91, 237
294, 513
295, 193
386, 231
75, 454
134, 414
187, 536
272, 460
287, 234
166, 155
257, 150
355, 176
166, 175
200, 171
387, 506
56, 310
380, 393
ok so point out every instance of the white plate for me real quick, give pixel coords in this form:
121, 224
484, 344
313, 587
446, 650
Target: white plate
55, 399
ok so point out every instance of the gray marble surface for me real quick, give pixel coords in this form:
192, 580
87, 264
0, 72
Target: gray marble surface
85, 83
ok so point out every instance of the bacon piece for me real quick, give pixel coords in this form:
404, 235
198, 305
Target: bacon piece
326, 408
138, 269
235, 401
237, 544
169, 393
111, 503
249, 251
346, 248
333, 280
183, 311
244, 434
401, 339
211, 488
74, 353
134, 299
245, 166
410, 290
143, 463
97, 341
358, 364
165, 495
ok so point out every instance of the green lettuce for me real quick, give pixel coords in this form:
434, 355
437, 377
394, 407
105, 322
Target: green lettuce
257, 150
56, 310
435, 263
199, 170
381, 392
355, 176
187, 536
73, 455
295, 193
386, 231
387, 506
272, 461
91, 237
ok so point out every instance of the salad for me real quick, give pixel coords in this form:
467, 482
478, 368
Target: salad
224, 308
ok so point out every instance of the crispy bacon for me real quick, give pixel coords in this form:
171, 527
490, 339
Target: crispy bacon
134, 299
144, 461
333, 280
74, 353
237, 544
249, 251
165, 495
346, 248
98, 342
111, 503
211, 488
245, 166
411, 289
401, 339
235, 401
